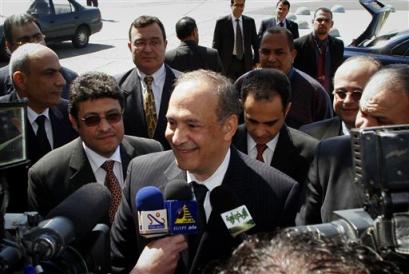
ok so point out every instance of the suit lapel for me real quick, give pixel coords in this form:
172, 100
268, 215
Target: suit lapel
240, 139
58, 133
80, 167
284, 152
127, 151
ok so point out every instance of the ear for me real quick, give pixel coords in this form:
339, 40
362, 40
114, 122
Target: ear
19, 80
130, 46
73, 121
166, 43
9, 46
293, 55
230, 127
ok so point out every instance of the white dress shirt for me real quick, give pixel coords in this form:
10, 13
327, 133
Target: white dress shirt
267, 154
32, 116
345, 129
159, 77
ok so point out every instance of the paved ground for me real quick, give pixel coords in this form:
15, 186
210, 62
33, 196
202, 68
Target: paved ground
108, 50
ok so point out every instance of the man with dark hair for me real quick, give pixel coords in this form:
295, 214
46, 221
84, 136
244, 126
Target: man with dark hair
282, 9
202, 119
318, 53
349, 82
20, 29
309, 101
36, 75
148, 86
264, 136
96, 107
189, 55
235, 38
384, 101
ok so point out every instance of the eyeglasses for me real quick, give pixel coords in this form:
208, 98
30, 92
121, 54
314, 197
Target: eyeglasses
342, 94
35, 38
93, 120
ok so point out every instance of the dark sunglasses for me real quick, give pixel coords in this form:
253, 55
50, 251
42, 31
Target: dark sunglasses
93, 120
342, 94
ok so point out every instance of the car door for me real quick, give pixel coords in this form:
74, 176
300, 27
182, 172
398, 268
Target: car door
62, 23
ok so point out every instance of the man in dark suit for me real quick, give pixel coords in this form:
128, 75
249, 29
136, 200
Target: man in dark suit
96, 106
309, 101
385, 101
318, 53
18, 30
200, 136
36, 76
189, 55
282, 9
235, 38
148, 86
266, 97
349, 82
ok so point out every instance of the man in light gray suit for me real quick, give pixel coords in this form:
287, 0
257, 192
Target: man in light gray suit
96, 107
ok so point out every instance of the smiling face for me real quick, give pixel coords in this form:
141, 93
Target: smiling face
198, 139
104, 137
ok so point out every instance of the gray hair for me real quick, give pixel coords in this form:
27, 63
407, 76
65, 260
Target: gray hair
20, 58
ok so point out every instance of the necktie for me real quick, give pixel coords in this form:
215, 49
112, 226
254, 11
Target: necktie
149, 106
321, 65
239, 41
43, 142
281, 24
260, 150
112, 184
200, 194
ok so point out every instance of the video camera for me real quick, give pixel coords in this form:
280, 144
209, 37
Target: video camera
381, 158
64, 242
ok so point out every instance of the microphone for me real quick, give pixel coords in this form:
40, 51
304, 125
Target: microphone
182, 209
72, 219
236, 217
152, 215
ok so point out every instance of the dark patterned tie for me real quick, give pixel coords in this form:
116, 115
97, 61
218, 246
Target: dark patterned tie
149, 106
200, 194
260, 150
239, 41
112, 184
41, 135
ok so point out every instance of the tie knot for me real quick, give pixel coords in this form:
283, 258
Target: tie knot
148, 80
261, 148
40, 120
108, 165
200, 191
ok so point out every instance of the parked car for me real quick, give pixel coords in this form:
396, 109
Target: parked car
388, 48
61, 20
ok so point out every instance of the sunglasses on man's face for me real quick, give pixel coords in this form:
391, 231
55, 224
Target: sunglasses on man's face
342, 94
93, 120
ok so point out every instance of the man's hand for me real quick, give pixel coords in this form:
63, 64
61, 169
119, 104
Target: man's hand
160, 256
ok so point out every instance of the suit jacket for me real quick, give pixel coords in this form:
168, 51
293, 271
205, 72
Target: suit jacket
6, 85
223, 41
293, 153
62, 134
330, 182
307, 56
64, 170
189, 56
270, 196
134, 115
324, 129
272, 22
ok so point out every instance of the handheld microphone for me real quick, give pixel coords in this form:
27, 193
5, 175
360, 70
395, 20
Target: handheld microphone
152, 215
72, 219
182, 209
235, 216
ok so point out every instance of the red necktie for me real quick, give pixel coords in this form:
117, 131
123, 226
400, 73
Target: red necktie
260, 150
112, 184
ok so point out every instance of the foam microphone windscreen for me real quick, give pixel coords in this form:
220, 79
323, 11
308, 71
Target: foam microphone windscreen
178, 190
84, 208
223, 199
149, 198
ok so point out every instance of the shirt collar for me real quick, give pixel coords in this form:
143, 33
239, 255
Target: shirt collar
158, 76
217, 177
234, 18
97, 160
271, 145
32, 115
345, 129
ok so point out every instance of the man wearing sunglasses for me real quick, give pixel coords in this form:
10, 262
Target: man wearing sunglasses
96, 107
349, 82
384, 101
20, 29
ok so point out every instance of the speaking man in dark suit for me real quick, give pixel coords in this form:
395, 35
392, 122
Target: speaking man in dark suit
189, 55
36, 76
282, 9
148, 86
266, 97
318, 53
385, 101
349, 82
96, 106
20, 29
235, 38
200, 136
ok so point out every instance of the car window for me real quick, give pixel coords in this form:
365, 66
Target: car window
401, 49
39, 7
63, 6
